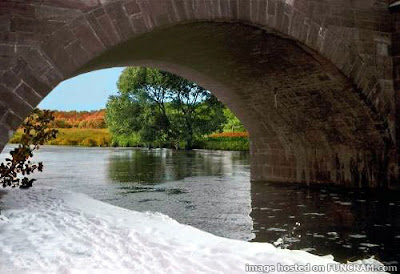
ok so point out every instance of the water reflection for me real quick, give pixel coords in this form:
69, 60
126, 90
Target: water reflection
162, 165
347, 224
193, 187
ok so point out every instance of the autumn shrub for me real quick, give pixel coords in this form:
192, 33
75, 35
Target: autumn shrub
230, 135
36, 131
80, 119
61, 123
83, 124
96, 123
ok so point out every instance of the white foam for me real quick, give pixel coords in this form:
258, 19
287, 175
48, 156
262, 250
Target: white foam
54, 231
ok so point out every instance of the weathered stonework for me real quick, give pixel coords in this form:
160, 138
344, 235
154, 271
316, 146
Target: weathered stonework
315, 82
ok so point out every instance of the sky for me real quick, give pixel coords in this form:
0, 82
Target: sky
87, 91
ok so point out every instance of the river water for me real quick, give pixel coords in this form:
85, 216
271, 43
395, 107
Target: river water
211, 190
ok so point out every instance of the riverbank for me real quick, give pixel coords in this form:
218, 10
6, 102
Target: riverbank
87, 137
76, 137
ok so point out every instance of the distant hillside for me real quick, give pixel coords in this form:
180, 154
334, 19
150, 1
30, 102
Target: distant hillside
80, 119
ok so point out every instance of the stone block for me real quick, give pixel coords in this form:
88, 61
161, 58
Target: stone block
34, 58
301, 5
5, 22
51, 77
7, 37
200, 9
45, 12
280, 10
132, 7
38, 27
28, 39
103, 28
181, 10
85, 5
214, 9
305, 30
357, 69
34, 80
159, 14
286, 24
147, 15
9, 79
7, 50
297, 25
77, 54
16, 7
54, 48
271, 9
254, 11
88, 38
234, 9
12, 101
120, 20
224, 8
312, 37
29, 95
139, 24
3, 109
261, 12
3, 136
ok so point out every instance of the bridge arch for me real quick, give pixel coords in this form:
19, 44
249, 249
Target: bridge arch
316, 108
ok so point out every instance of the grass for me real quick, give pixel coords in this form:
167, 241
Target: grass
76, 137
225, 141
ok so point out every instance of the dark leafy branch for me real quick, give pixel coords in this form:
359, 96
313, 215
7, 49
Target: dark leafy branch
36, 132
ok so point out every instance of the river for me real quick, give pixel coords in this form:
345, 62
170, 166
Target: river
211, 190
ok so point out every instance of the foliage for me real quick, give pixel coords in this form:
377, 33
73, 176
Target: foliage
232, 124
132, 140
93, 123
61, 123
164, 109
36, 131
81, 119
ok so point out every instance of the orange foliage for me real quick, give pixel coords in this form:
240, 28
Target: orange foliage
81, 119
230, 135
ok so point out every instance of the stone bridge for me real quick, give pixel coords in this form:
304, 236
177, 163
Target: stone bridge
315, 82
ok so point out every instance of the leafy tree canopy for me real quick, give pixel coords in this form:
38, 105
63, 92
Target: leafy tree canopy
163, 108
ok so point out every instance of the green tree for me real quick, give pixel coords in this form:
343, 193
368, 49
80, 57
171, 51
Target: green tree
232, 124
36, 131
163, 108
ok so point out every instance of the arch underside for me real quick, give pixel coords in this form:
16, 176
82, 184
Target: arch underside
306, 120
